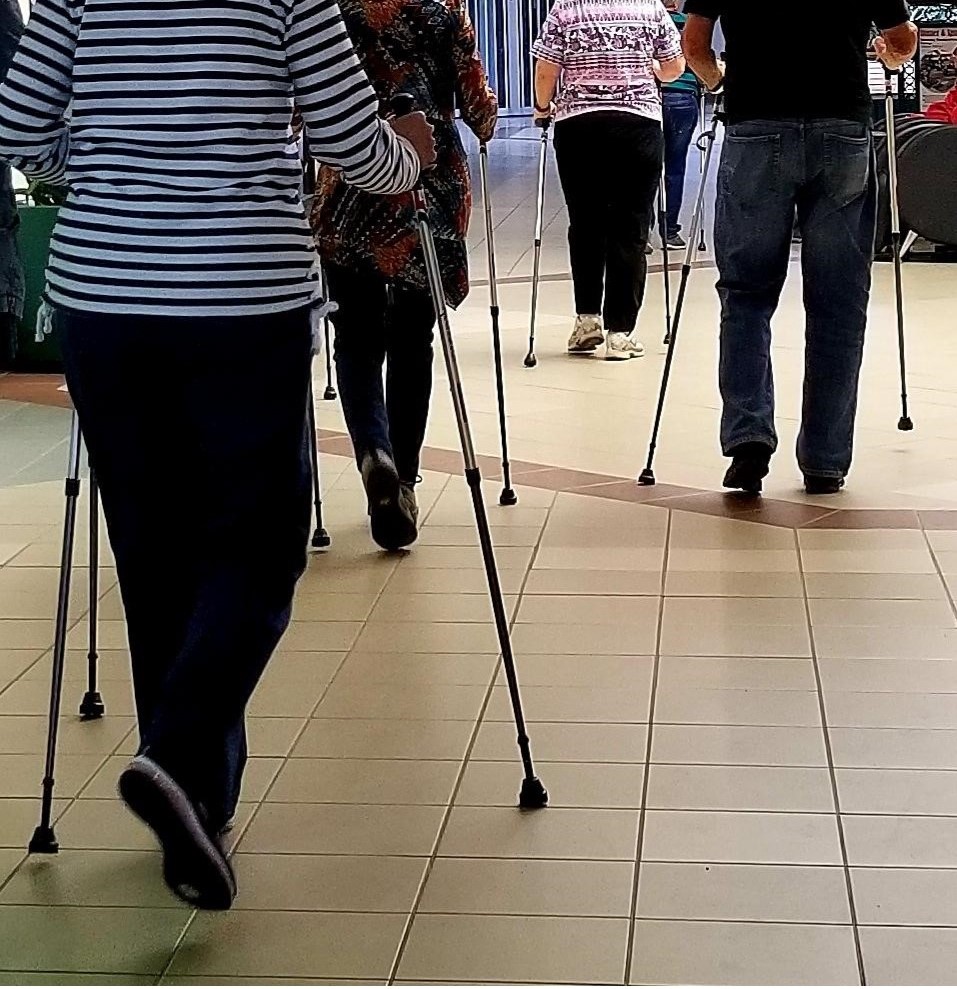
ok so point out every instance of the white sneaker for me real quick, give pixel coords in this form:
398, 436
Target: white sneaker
620, 347
587, 336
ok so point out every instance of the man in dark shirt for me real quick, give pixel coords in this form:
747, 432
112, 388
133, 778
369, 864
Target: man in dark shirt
803, 145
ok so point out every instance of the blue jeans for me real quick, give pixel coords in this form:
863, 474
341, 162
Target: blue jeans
680, 120
196, 429
824, 169
378, 323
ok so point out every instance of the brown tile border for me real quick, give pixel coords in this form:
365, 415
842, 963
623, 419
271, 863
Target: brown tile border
43, 389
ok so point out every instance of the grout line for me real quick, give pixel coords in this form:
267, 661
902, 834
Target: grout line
649, 741
842, 838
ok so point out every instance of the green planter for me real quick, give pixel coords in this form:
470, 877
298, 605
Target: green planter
33, 240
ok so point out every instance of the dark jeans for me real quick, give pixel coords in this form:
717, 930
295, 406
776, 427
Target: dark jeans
825, 169
681, 119
196, 429
609, 164
378, 323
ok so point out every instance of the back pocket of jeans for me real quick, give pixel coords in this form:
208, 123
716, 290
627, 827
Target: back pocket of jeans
847, 166
751, 164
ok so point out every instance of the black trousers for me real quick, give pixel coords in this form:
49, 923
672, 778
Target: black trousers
378, 323
609, 163
196, 429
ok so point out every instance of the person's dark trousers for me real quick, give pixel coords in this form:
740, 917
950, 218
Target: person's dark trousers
196, 428
378, 323
681, 119
826, 170
609, 163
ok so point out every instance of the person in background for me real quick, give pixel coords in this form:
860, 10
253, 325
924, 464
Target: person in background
945, 111
372, 256
681, 103
806, 147
598, 64
183, 277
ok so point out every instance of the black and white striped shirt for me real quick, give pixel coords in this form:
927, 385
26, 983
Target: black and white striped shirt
184, 178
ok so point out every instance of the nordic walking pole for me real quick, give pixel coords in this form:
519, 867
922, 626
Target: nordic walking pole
92, 707
320, 537
508, 495
702, 124
905, 424
545, 123
533, 794
706, 142
329, 395
663, 228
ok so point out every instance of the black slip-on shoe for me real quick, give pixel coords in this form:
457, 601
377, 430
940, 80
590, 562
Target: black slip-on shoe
750, 465
194, 866
815, 484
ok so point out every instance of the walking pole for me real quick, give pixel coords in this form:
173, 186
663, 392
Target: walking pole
905, 423
320, 537
92, 707
663, 228
44, 840
545, 123
329, 394
533, 794
705, 143
702, 123
508, 495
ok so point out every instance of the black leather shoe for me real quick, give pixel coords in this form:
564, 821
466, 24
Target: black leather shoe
814, 484
394, 523
750, 464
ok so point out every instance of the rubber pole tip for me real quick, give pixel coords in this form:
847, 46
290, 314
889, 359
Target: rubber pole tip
92, 706
667, 340
534, 796
329, 394
321, 539
43, 842
906, 424
647, 478
531, 361
508, 497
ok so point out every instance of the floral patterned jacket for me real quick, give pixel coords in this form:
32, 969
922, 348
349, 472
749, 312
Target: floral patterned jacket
425, 48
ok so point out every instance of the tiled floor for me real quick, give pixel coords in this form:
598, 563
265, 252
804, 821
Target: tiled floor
746, 713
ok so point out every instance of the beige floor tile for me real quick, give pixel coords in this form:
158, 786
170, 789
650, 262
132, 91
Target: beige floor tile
528, 887
238, 980
359, 883
272, 736
564, 742
460, 580
734, 584
519, 516
320, 636
735, 611
906, 897
909, 956
889, 710
388, 668
19, 818
110, 635
876, 561
10, 858
556, 833
680, 638
32, 696
565, 609
897, 791
15, 662
738, 745
892, 586
427, 701
418, 636
361, 738
735, 673
773, 839
406, 607
893, 675
464, 557
743, 954
516, 949
690, 531
784, 708
759, 893
27, 734
257, 943
89, 877
894, 748
496, 784
626, 673
749, 561
762, 788
886, 643
343, 829
882, 614
329, 574
279, 696
613, 558
597, 704
89, 939
916, 842
112, 665
586, 640
467, 535
20, 774
594, 583
333, 607
862, 540
75, 979
365, 781
104, 824
26, 634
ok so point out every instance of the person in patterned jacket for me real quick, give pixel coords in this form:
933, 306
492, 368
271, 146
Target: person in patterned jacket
371, 254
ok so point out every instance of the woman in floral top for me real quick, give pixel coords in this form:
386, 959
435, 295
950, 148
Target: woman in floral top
371, 252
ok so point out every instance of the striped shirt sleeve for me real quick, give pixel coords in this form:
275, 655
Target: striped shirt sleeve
34, 98
338, 105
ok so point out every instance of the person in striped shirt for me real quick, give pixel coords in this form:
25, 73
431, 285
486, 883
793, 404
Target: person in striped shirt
183, 278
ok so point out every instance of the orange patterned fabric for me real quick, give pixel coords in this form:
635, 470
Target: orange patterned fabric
425, 48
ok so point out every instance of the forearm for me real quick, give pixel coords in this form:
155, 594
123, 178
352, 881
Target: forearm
671, 70
547, 75
697, 44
